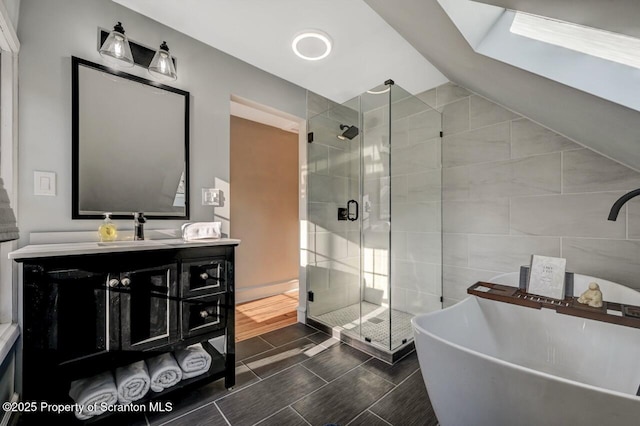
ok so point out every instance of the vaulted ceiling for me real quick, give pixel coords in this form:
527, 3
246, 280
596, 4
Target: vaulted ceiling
603, 125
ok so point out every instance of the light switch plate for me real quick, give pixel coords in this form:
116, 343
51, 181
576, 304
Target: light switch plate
44, 183
211, 197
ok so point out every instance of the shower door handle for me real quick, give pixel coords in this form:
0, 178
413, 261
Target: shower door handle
354, 216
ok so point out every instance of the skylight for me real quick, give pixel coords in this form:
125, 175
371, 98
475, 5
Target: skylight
591, 41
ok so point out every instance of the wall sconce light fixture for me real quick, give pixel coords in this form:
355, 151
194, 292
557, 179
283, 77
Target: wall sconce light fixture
120, 51
116, 49
161, 66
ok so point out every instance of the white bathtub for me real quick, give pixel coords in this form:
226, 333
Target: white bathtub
491, 363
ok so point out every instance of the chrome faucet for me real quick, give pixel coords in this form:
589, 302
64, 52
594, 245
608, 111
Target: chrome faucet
138, 223
615, 209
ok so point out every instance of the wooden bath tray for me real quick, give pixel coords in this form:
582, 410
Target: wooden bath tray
614, 313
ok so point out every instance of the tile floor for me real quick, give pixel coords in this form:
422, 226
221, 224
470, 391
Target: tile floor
300, 376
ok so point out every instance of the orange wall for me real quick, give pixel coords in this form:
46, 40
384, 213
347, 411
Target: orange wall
264, 206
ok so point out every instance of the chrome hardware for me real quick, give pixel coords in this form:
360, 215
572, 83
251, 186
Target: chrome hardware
113, 282
204, 275
125, 282
204, 314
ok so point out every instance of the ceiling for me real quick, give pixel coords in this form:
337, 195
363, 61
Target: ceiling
366, 50
605, 126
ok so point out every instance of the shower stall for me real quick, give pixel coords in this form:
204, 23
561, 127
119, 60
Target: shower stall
374, 240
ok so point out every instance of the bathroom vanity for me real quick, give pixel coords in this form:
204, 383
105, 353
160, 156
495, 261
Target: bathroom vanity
90, 307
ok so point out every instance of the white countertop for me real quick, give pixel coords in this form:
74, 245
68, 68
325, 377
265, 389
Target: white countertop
74, 249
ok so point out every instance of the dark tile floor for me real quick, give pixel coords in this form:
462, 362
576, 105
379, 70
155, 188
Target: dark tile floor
300, 376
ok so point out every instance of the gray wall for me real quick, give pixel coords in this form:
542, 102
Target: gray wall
51, 32
512, 188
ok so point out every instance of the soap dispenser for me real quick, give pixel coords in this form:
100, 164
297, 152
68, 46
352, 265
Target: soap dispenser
107, 231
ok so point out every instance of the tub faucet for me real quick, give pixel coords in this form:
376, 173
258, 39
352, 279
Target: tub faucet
138, 224
615, 209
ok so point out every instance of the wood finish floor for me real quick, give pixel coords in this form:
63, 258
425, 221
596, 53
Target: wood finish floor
265, 315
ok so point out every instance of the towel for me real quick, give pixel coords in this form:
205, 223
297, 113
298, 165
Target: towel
132, 382
95, 390
193, 360
201, 231
164, 372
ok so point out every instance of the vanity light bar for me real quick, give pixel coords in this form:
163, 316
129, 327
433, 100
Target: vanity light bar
142, 55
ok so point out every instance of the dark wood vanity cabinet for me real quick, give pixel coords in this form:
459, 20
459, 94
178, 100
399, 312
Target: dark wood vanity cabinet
84, 314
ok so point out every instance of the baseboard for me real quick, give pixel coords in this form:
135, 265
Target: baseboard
261, 291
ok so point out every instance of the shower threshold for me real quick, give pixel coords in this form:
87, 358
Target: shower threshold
371, 334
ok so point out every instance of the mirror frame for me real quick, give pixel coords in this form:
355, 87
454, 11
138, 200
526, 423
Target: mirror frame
75, 147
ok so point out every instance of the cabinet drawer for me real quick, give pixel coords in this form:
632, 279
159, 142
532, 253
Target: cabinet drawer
203, 315
204, 276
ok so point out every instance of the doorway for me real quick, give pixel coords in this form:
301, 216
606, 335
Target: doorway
264, 214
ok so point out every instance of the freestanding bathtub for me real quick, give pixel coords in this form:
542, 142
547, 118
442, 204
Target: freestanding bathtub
486, 362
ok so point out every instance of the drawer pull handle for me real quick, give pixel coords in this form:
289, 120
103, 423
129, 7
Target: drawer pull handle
204, 275
125, 282
204, 314
113, 282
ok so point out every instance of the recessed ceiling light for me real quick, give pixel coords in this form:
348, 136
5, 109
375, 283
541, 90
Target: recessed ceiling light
312, 45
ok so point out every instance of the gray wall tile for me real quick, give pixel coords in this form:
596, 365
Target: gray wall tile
417, 276
588, 171
528, 138
456, 280
316, 104
455, 117
417, 217
428, 97
424, 247
414, 158
450, 92
476, 216
484, 112
633, 221
527, 176
572, 215
614, 260
456, 183
455, 249
408, 106
508, 253
477, 146
318, 158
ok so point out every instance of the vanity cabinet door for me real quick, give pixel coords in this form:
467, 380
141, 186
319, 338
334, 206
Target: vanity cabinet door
66, 313
203, 276
148, 307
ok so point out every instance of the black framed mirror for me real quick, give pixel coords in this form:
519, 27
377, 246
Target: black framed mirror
130, 145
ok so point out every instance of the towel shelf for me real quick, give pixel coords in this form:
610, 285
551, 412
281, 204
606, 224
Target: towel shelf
78, 321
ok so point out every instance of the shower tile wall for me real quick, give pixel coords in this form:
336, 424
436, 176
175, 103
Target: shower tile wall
512, 188
333, 247
415, 247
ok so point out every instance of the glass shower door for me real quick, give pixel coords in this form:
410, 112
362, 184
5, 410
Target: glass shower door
334, 209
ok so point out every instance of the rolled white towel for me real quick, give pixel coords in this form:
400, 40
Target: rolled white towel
164, 372
94, 391
201, 230
132, 382
193, 360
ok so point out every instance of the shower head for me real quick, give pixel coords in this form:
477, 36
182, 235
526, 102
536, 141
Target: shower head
349, 132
